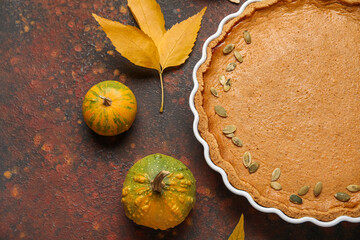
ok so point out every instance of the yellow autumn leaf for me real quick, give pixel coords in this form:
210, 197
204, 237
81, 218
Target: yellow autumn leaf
149, 17
131, 43
153, 46
238, 233
177, 43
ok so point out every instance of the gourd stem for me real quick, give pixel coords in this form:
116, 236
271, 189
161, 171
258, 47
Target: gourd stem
157, 184
107, 101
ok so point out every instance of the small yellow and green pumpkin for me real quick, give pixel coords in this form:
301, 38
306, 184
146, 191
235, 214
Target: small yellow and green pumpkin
158, 192
109, 108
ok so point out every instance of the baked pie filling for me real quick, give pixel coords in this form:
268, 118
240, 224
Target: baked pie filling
286, 75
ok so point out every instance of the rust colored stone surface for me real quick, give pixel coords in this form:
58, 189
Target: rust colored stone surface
59, 180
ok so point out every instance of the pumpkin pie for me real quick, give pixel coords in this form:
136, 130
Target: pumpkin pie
294, 99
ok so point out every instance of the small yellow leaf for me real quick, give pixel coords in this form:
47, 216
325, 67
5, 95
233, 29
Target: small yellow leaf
131, 42
177, 43
238, 233
149, 17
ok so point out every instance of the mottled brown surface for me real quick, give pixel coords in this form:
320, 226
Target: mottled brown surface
295, 101
58, 179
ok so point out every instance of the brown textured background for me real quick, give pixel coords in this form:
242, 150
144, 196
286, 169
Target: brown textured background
58, 179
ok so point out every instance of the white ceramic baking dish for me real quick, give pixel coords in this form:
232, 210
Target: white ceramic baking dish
220, 170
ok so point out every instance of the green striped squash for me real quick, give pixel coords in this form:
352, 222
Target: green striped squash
109, 108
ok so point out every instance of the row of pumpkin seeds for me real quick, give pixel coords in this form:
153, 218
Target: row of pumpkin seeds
341, 196
226, 83
229, 130
247, 161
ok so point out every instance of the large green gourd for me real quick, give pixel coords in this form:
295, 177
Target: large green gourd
158, 192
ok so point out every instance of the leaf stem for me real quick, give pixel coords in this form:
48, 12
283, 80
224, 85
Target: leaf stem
162, 91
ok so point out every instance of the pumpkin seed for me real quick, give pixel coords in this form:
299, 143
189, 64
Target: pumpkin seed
220, 111
227, 88
341, 196
222, 79
238, 56
353, 188
227, 85
230, 135
275, 174
253, 167
303, 190
247, 37
295, 199
276, 186
229, 129
230, 67
228, 48
214, 92
247, 159
318, 188
237, 141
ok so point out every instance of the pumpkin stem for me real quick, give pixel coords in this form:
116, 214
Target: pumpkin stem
157, 184
107, 101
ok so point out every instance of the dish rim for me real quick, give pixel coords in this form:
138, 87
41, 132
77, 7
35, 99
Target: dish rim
220, 170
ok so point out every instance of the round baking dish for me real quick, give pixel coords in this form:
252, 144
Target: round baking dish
220, 170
